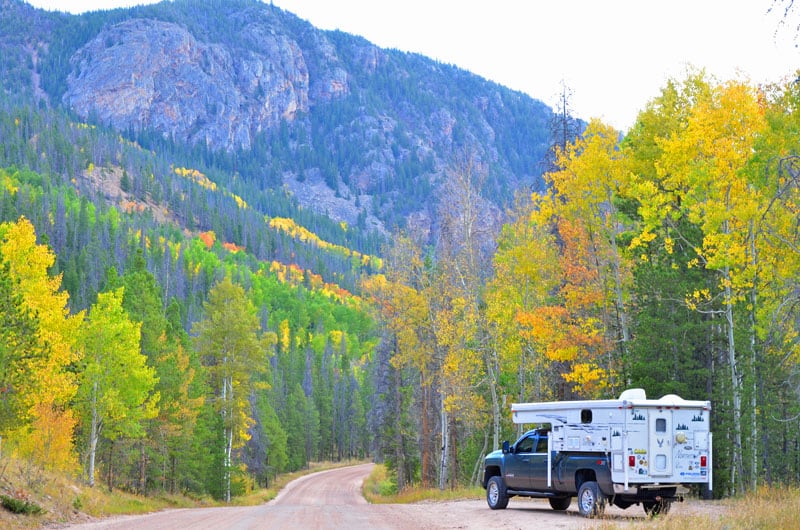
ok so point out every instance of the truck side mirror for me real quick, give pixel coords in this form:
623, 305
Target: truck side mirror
505, 447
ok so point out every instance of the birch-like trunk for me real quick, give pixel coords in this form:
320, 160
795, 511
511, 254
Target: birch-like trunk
736, 391
227, 397
445, 448
753, 364
93, 435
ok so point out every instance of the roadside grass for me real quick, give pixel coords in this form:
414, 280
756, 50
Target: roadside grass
380, 488
767, 508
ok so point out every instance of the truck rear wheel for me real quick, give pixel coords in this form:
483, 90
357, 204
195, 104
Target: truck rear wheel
560, 503
496, 495
591, 501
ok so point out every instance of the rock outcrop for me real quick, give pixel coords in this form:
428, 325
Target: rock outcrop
148, 74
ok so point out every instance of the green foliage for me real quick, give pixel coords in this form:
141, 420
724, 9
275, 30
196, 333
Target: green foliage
18, 348
21, 506
116, 383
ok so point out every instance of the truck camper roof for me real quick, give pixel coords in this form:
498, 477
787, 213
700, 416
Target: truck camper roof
629, 399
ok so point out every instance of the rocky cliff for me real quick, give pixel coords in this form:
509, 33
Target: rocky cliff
361, 134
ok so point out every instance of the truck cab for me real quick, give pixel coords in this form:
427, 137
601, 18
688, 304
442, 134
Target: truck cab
526, 461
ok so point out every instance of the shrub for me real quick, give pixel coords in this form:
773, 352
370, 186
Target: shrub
22, 506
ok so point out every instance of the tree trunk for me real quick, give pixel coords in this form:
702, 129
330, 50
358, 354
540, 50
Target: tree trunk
227, 397
753, 366
425, 437
110, 471
493, 382
228, 451
93, 434
736, 392
142, 468
399, 444
445, 448
476, 478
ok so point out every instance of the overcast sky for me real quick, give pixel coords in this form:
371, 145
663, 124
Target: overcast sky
614, 55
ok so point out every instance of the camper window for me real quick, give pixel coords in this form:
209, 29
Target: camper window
586, 416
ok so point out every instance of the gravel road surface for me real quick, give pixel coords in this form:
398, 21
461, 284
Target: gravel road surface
332, 500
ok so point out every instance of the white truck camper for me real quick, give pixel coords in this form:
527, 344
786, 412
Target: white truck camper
649, 442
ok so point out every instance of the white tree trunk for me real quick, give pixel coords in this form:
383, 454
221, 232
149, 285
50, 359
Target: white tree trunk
93, 435
736, 391
445, 449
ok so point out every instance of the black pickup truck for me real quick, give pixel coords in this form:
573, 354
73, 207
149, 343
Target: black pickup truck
522, 469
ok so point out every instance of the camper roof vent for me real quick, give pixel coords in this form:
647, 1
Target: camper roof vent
632, 393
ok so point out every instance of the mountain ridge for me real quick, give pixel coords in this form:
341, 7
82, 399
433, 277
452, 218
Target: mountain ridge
356, 132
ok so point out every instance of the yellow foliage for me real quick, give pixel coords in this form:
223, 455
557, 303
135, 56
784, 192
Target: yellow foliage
336, 337
288, 226
49, 435
285, 339
589, 379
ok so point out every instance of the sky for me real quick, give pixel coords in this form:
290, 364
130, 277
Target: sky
613, 56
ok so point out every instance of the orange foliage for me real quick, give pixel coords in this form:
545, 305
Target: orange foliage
294, 275
231, 247
208, 238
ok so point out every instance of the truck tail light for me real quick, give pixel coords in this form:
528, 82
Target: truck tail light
703, 461
632, 461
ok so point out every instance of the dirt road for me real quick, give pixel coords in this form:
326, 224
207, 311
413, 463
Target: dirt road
332, 500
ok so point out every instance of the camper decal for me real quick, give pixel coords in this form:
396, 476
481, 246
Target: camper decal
682, 427
698, 417
637, 416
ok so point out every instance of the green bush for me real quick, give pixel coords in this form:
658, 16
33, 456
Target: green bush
387, 487
15, 505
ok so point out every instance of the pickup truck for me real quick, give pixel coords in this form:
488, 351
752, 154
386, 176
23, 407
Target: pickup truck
522, 469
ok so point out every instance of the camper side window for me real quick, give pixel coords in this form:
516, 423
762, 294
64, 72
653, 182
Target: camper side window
586, 416
661, 425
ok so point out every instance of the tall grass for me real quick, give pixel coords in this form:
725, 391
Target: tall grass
380, 488
768, 508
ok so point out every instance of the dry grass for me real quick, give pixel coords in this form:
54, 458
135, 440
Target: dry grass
380, 489
768, 508
64, 500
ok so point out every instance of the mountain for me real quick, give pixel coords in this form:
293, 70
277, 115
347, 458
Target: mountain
266, 102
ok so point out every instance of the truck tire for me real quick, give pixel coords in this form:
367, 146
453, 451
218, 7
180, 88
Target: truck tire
591, 501
496, 495
560, 503
653, 508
